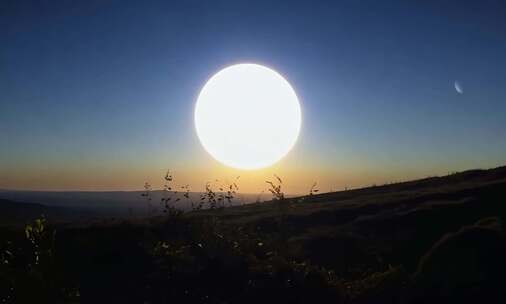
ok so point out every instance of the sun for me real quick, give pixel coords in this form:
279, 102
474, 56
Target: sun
247, 116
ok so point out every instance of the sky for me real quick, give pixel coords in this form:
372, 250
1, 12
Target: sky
99, 95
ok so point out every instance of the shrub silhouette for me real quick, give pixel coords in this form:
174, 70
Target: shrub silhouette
170, 196
313, 190
31, 270
226, 193
41, 239
275, 189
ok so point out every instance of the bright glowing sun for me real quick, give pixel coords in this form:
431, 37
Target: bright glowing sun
247, 116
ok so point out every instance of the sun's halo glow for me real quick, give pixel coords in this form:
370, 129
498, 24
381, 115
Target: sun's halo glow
247, 116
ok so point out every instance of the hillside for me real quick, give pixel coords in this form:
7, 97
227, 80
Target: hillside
435, 240
396, 223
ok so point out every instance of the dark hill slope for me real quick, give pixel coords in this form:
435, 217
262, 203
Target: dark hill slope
436, 240
392, 223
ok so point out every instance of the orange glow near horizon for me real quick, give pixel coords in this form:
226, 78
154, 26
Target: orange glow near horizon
297, 177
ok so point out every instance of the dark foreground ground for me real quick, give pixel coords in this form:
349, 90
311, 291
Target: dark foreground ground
438, 240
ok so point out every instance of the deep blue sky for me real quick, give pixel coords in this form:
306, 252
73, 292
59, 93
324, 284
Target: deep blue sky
100, 94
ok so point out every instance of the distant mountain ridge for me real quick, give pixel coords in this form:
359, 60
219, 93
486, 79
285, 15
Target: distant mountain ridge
114, 202
19, 213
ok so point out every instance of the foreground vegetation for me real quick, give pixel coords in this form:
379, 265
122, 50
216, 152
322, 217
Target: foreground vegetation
433, 240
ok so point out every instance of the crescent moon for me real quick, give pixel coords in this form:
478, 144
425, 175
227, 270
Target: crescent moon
458, 88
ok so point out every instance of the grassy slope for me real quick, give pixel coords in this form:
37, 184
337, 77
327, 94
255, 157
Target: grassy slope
391, 224
261, 252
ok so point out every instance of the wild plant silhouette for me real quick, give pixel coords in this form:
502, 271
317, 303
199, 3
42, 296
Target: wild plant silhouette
313, 190
275, 188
